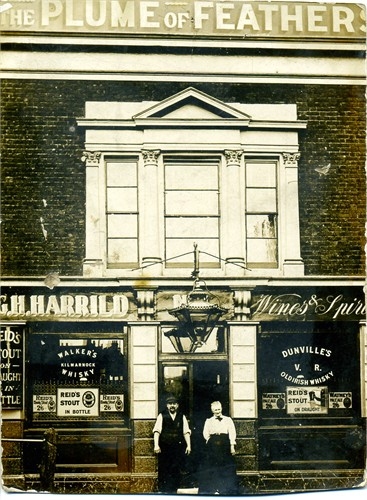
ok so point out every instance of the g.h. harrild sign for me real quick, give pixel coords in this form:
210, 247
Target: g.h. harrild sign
215, 18
68, 305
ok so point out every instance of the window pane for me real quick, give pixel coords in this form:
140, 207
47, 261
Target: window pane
120, 251
120, 225
261, 174
121, 174
261, 226
192, 202
261, 200
122, 199
262, 251
189, 227
176, 247
215, 343
77, 361
188, 176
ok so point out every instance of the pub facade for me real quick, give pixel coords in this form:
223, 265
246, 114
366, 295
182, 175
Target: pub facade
184, 209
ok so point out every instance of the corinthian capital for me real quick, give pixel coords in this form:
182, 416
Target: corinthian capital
150, 156
91, 158
233, 157
291, 159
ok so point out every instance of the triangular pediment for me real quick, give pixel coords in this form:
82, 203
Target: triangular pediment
191, 104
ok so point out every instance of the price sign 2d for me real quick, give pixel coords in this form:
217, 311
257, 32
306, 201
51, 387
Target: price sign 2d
112, 402
11, 367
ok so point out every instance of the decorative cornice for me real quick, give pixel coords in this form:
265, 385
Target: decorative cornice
233, 157
91, 158
150, 156
291, 159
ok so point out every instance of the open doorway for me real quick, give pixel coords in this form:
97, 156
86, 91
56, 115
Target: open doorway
196, 384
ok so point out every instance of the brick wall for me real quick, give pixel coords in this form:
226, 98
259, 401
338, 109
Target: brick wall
43, 176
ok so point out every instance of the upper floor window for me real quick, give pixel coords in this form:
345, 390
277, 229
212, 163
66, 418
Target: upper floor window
122, 215
162, 176
261, 215
192, 210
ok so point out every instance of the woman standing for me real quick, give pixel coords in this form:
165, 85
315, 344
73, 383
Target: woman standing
219, 472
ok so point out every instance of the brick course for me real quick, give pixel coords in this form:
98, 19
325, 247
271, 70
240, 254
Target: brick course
42, 148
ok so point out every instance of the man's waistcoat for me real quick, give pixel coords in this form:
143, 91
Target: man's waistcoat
172, 430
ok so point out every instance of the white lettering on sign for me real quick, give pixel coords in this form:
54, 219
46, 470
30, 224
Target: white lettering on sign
67, 306
11, 366
306, 349
293, 305
210, 18
300, 380
78, 402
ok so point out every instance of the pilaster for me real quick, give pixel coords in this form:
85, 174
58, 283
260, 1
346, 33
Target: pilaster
93, 262
292, 262
234, 241
150, 236
243, 367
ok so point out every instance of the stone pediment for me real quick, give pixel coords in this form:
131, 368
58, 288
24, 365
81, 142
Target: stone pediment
192, 109
191, 106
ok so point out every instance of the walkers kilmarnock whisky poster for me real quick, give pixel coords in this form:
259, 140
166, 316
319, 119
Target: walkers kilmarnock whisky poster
183, 246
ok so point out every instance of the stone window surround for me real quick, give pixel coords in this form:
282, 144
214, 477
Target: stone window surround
163, 130
288, 169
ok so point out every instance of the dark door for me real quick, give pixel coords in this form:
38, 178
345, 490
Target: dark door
197, 384
209, 383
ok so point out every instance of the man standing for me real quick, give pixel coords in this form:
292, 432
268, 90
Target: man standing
219, 471
172, 441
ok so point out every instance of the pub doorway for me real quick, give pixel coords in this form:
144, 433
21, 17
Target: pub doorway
196, 384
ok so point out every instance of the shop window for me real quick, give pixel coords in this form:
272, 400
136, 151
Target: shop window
261, 215
309, 397
192, 211
122, 212
80, 377
311, 374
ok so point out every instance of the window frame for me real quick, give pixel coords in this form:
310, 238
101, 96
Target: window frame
253, 266
210, 160
131, 158
120, 419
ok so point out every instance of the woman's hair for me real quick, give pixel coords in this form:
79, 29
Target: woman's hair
216, 403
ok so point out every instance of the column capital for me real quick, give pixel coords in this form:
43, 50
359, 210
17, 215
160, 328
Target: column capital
291, 159
91, 158
233, 157
150, 156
